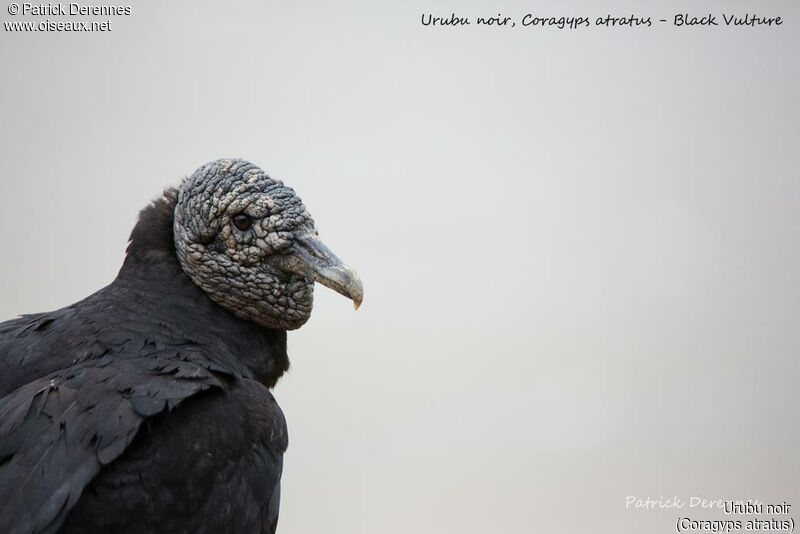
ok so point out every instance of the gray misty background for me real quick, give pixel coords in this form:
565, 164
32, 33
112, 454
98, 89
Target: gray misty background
580, 249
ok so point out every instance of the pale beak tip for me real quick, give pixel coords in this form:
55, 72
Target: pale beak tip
357, 303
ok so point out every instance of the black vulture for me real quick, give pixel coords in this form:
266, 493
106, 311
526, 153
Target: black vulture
146, 407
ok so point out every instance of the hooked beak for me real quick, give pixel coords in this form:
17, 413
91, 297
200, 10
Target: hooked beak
311, 258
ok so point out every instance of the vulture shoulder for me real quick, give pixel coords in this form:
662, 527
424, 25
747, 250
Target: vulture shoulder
212, 465
87, 448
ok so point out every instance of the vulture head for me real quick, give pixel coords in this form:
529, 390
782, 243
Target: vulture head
248, 242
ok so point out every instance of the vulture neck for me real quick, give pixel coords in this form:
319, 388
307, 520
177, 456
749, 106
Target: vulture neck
152, 275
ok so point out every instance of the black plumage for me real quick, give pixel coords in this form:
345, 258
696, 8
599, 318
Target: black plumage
144, 407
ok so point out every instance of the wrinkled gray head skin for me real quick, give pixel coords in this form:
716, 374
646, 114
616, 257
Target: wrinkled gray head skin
263, 268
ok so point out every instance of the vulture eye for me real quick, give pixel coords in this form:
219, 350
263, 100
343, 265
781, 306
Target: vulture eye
242, 222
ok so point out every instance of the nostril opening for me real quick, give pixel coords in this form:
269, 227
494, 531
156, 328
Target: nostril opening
310, 249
